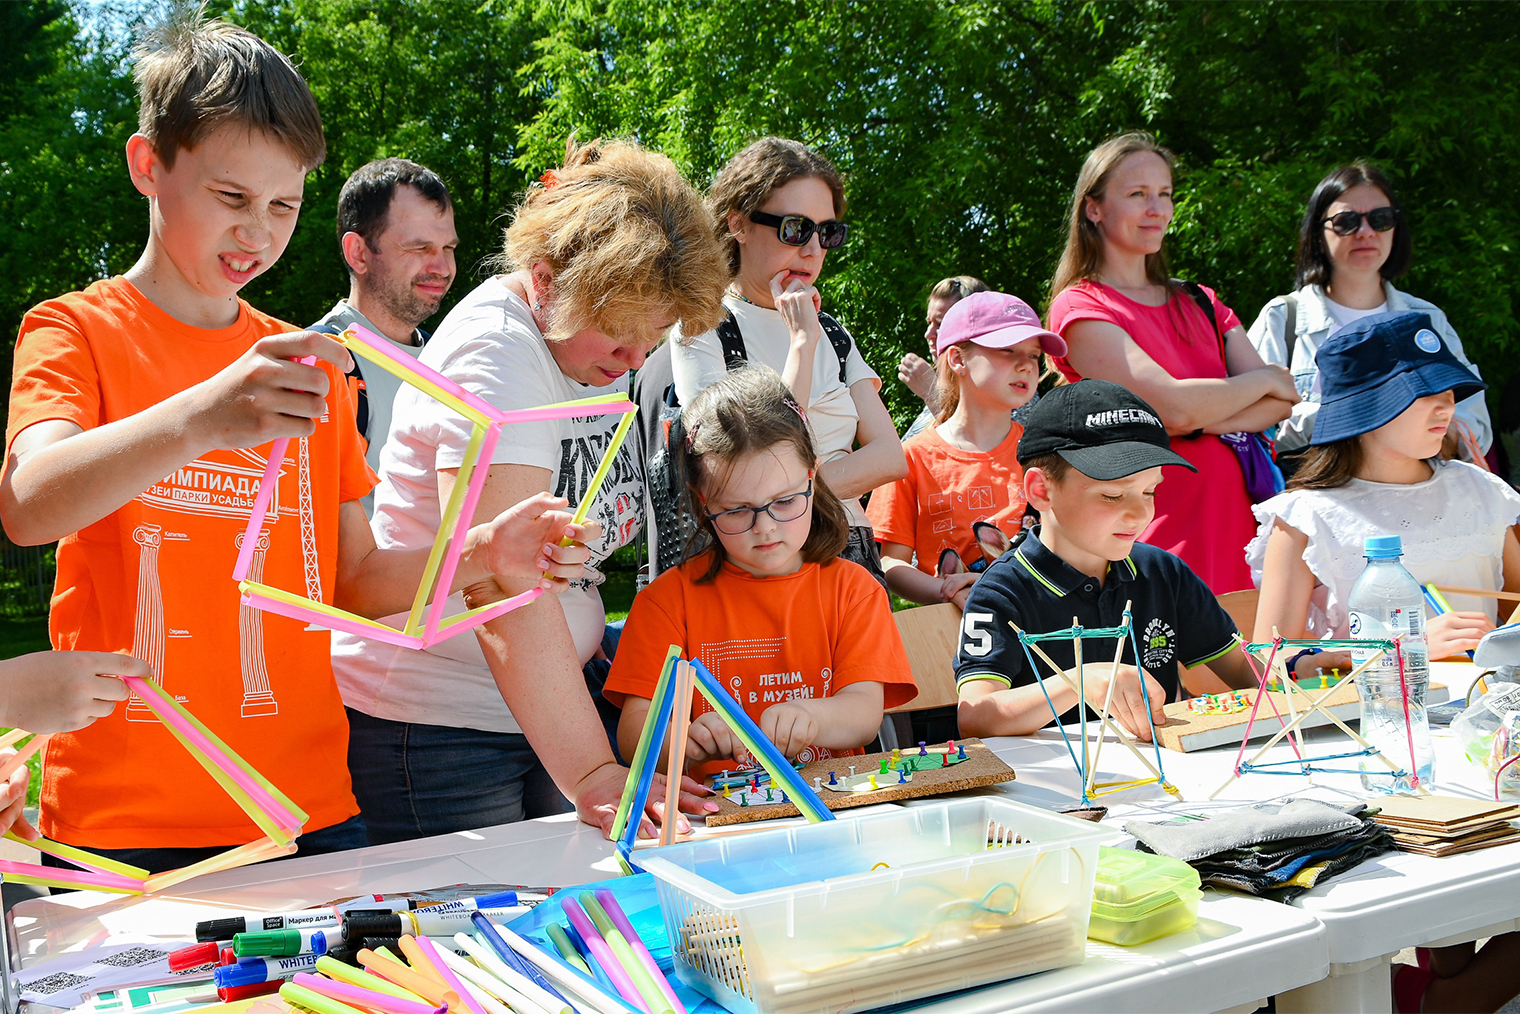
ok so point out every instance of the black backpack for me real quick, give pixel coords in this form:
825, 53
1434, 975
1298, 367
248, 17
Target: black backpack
661, 411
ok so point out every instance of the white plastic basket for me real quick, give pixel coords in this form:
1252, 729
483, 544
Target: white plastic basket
858, 913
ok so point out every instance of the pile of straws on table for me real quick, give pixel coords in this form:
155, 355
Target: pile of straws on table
499, 973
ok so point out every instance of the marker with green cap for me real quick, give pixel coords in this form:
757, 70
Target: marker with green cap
282, 943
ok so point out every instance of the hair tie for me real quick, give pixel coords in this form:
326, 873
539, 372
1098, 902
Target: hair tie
550, 179
789, 403
691, 433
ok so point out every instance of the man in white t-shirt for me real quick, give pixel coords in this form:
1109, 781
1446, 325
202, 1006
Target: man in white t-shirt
396, 230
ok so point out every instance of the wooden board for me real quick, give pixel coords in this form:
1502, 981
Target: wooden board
981, 767
1185, 732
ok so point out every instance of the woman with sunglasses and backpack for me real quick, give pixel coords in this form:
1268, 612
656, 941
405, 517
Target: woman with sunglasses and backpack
1353, 240
778, 207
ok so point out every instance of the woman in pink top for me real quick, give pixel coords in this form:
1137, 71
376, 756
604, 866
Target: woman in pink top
1125, 320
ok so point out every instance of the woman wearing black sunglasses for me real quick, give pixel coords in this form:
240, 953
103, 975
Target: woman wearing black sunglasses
779, 208
1354, 238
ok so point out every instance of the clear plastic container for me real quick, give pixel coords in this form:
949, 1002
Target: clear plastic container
887, 908
1139, 897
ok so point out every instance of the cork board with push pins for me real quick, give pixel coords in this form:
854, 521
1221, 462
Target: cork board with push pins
862, 780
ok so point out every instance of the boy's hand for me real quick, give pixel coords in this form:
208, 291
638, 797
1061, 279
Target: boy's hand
1127, 707
710, 738
523, 542
60, 691
792, 727
266, 394
13, 802
1455, 632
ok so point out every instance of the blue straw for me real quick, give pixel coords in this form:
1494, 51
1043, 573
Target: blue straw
661, 718
512, 958
590, 959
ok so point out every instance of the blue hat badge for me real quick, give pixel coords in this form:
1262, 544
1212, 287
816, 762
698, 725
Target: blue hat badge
1427, 340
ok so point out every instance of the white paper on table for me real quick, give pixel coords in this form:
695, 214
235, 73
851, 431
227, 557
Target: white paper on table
65, 980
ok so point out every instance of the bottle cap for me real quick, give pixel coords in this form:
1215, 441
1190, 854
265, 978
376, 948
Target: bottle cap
242, 974
1383, 547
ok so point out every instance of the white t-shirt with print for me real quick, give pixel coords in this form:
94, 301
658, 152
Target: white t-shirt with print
830, 410
1452, 527
490, 346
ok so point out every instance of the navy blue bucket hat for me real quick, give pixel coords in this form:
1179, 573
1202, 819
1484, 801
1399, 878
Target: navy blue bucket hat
1374, 368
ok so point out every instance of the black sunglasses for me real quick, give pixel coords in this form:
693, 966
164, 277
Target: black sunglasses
1347, 222
796, 230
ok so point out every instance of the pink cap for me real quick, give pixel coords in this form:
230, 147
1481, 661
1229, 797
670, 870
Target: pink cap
997, 321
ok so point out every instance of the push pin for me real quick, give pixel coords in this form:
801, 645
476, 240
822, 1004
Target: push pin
783, 797
852, 771
728, 792
832, 779
884, 763
902, 778
896, 755
818, 782
923, 748
873, 783
744, 799
944, 760
960, 752
768, 794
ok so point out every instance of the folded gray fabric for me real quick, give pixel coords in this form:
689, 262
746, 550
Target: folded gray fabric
1295, 818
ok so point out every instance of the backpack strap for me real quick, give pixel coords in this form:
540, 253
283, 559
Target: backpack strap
1205, 304
1290, 326
839, 338
735, 354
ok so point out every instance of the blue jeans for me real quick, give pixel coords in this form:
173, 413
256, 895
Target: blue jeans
413, 781
333, 838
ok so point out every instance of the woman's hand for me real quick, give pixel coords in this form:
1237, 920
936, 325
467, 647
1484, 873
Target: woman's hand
1329, 661
1456, 632
916, 372
798, 303
523, 542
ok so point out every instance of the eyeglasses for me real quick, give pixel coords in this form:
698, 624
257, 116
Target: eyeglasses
796, 230
742, 519
1347, 222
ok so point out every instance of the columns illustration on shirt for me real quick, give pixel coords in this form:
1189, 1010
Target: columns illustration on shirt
148, 630
258, 696
308, 520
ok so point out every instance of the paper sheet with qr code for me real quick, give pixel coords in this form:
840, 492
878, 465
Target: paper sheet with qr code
66, 980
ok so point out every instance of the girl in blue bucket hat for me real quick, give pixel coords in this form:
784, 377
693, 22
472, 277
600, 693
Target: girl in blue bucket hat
1389, 389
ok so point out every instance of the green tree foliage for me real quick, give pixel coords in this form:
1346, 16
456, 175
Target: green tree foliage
960, 127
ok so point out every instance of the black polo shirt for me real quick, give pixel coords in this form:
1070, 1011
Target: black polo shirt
1177, 619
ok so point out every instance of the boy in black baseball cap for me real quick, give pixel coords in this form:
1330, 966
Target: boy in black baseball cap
1092, 454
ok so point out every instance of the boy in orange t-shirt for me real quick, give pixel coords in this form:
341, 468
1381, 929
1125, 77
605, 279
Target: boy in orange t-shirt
141, 414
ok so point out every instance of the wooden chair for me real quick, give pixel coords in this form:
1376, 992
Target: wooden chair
931, 635
1241, 605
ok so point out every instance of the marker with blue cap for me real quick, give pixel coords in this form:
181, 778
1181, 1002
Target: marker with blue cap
252, 970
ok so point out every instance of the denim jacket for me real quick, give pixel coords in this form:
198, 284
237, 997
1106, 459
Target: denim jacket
1313, 324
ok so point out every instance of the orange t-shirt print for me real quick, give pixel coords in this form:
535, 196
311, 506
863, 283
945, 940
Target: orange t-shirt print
945, 492
153, 579
766, 640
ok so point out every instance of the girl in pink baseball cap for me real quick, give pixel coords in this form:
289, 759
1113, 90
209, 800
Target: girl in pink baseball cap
962, 502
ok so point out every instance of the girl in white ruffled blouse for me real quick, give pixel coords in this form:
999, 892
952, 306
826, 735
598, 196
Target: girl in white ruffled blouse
1374, 467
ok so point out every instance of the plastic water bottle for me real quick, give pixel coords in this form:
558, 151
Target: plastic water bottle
1385, 603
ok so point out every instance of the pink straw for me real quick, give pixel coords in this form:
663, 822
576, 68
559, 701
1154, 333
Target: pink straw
430, 951
603, 954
